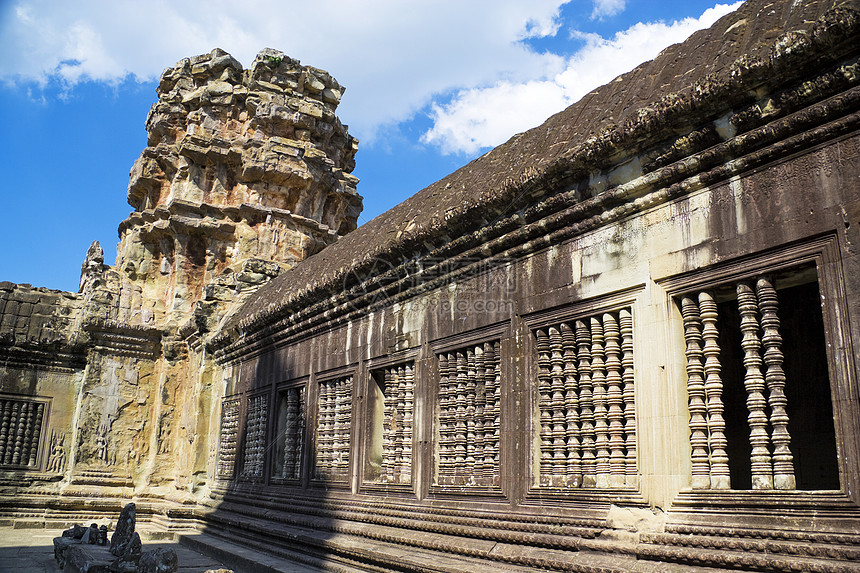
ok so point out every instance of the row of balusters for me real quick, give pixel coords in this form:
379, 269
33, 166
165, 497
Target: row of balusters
587, 402
255, 437
469, 415
771, 459
399, 387
229, 437
20, 430
586, 407
294, 431
335, 412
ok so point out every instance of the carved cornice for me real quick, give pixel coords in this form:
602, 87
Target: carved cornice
111, 337
558, 218
58, 359
184, 217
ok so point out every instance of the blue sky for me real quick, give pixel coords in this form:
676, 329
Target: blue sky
431, 84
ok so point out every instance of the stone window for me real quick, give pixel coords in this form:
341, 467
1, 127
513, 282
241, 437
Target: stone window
469, 423
587, 421
21, 429
758, 383
334, 412
229, 437
288, 446
389, 458
255, 437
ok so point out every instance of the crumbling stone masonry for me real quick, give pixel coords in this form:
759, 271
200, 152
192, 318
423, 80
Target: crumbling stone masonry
246, 172
625, 340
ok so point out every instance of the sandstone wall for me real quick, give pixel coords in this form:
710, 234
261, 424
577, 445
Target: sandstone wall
635, 354
42, 359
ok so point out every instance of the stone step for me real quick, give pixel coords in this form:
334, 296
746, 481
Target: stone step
745, 560
243, 558
389, 550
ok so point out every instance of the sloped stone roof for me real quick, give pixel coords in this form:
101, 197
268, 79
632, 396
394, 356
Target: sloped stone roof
714, 68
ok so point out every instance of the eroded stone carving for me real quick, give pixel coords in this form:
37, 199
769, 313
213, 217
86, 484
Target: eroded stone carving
255, 437
81, 549
57, 457
246, 172
229, 437
124, 529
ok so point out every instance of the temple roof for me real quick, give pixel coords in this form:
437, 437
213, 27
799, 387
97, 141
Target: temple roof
675, 89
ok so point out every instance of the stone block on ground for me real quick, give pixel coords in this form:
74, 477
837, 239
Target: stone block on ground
124, 530
161, 560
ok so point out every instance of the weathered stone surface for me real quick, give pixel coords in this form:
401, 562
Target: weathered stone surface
122, 537
88, 559
38, 318
61, 547
554, 358
128, 555
74, 551
222, 137
161, 560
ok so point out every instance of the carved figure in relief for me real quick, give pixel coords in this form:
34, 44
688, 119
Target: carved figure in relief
57, 457
164, 434
136, 446
102, 442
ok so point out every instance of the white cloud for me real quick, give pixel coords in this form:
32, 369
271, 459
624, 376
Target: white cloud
606, 8
393, 56
487, 116
481, 115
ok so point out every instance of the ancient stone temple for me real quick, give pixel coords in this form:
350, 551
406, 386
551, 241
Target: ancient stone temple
622, 341
246, 172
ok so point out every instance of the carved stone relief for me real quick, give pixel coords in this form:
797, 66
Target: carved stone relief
57, 453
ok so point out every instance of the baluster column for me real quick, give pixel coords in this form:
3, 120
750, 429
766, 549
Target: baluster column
760, 461
783, 460
696, 393
589, 457
714, 392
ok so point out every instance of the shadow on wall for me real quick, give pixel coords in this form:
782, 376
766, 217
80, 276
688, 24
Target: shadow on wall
283, 454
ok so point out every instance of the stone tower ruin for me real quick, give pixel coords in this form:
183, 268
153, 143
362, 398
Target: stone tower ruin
245, 173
